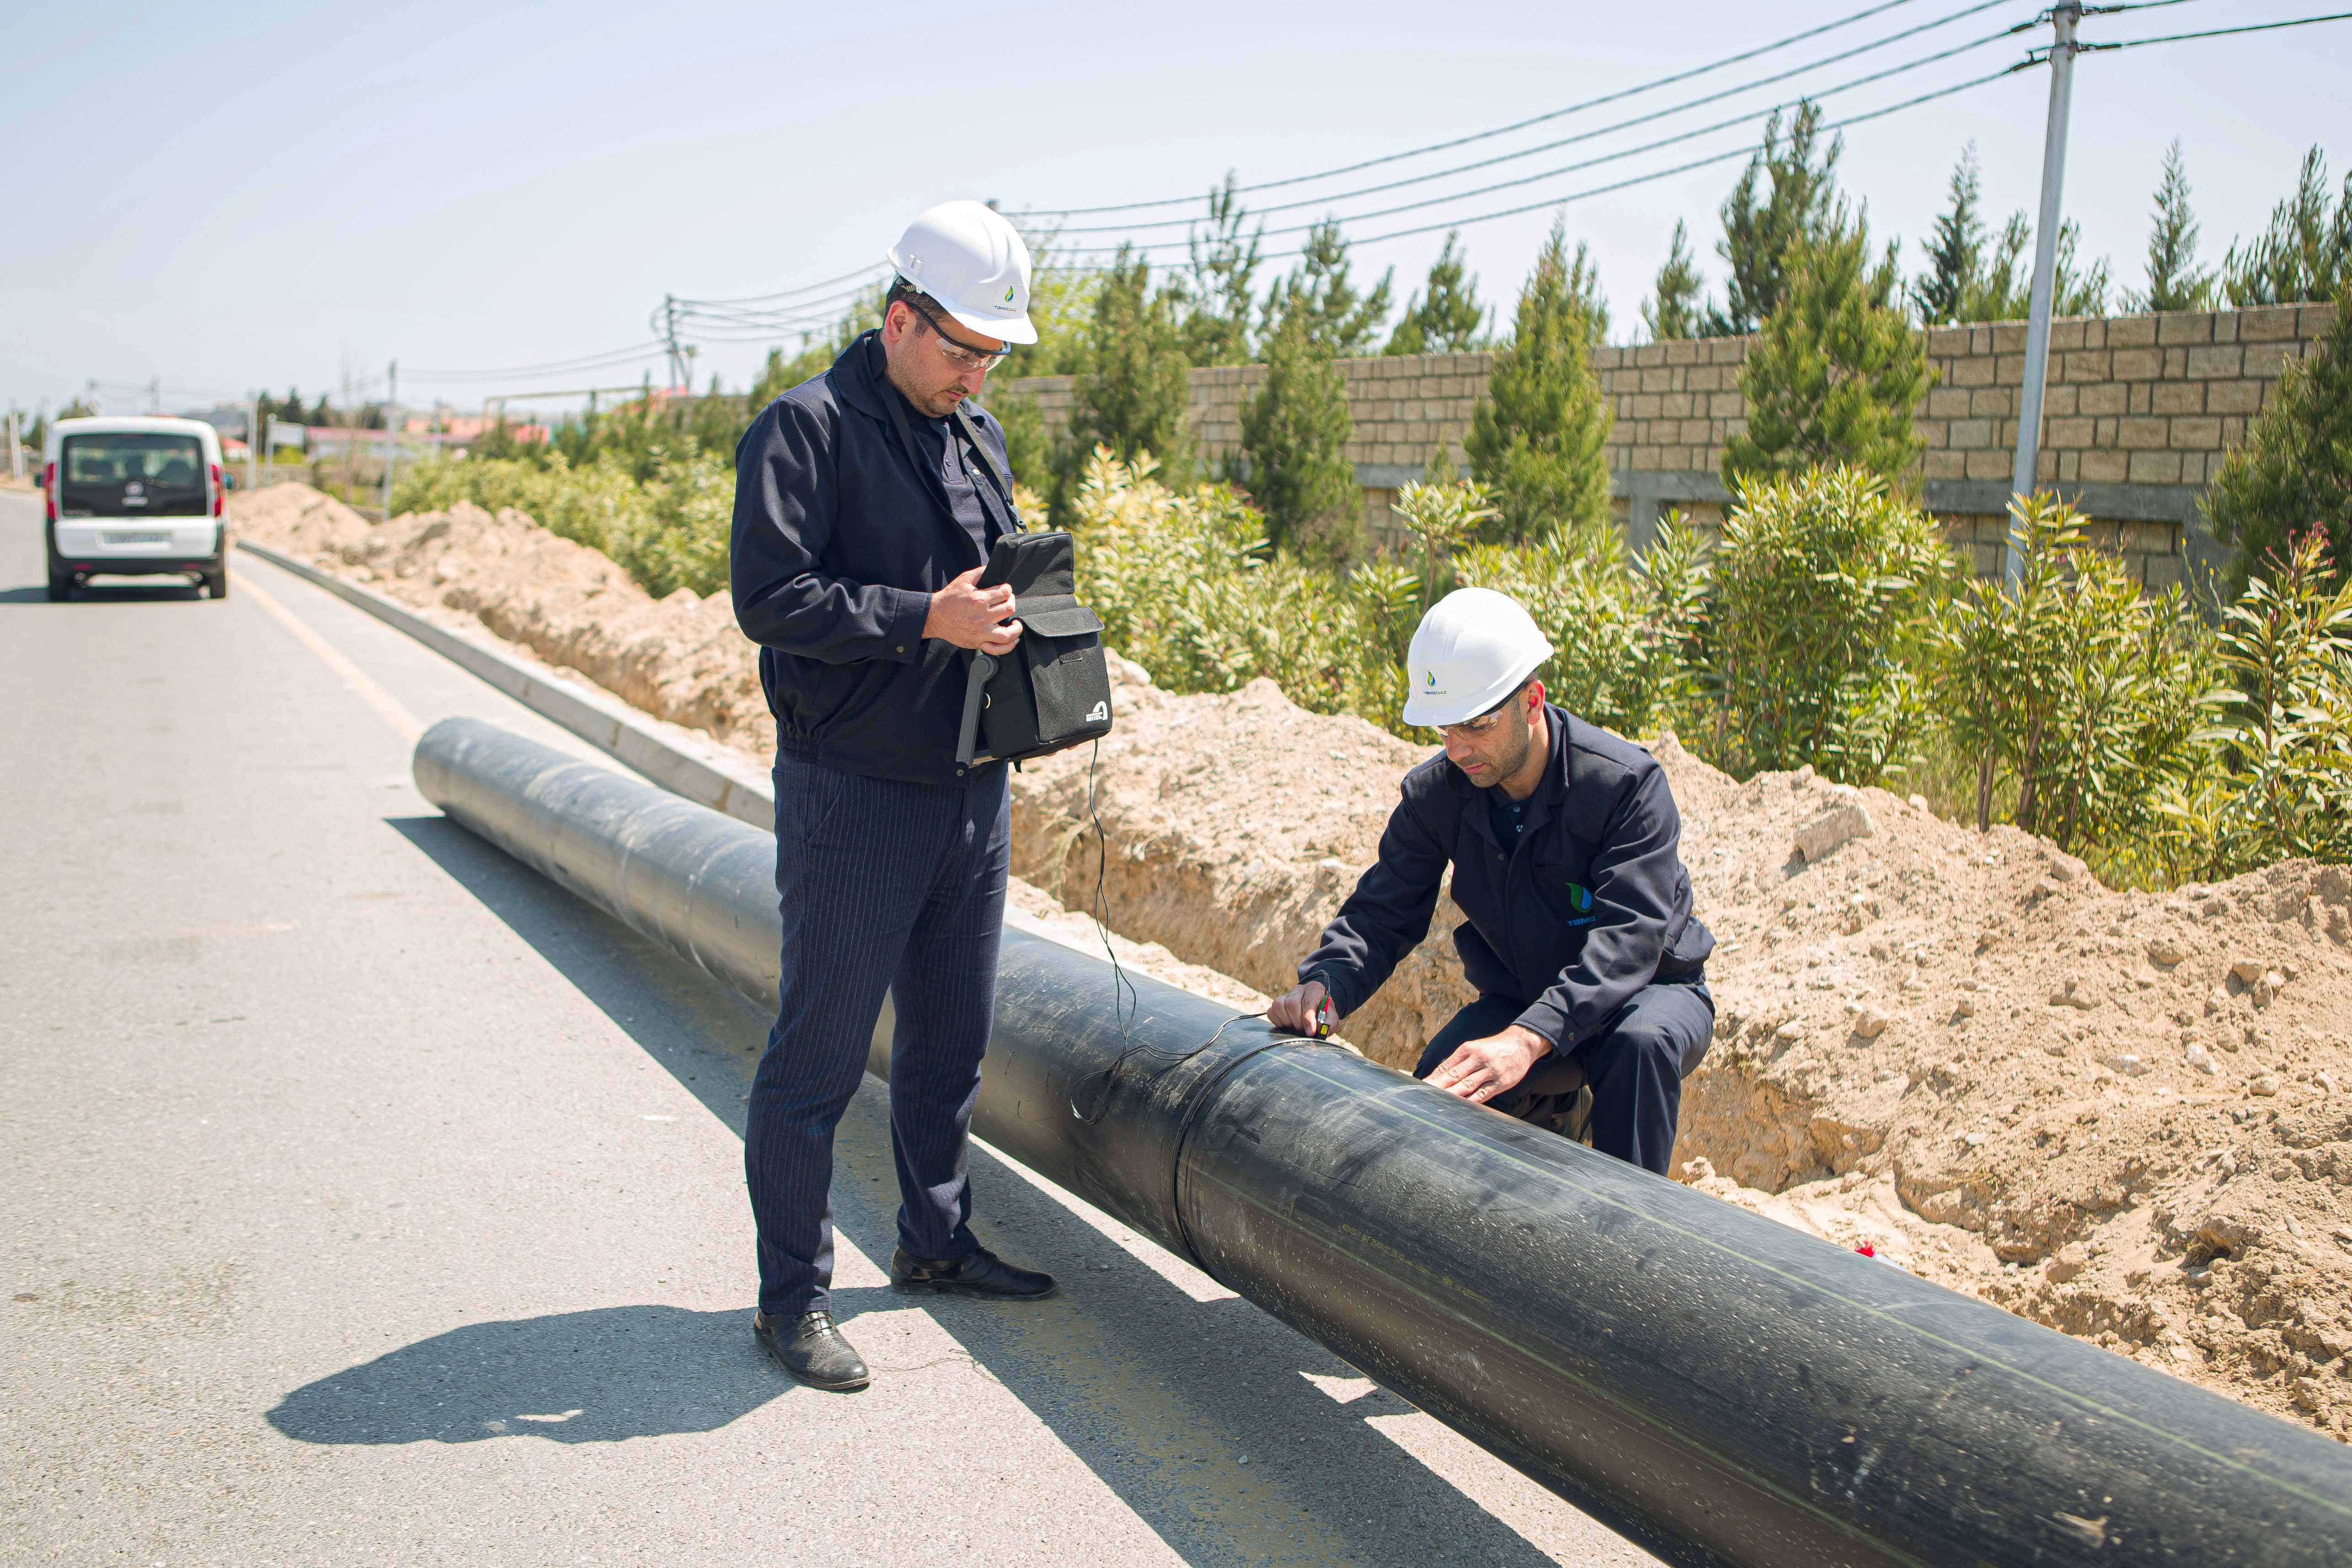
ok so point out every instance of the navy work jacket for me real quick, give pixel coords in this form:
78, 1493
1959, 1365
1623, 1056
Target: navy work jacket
1593, 904
840, 537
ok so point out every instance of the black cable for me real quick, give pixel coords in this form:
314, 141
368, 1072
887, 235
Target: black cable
1127, 1003
1621, 126
1499, 131
867, 270
1743, 152
1680, 136
557, 367
2209, 33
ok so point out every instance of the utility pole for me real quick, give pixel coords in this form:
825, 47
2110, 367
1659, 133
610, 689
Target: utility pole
254, 437
15, 448
391, 411
669, 332
155, 395
2063, 17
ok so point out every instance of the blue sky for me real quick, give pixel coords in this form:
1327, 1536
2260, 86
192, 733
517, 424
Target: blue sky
236, 195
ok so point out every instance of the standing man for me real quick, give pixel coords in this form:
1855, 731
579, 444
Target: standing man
865, 503
1563, 841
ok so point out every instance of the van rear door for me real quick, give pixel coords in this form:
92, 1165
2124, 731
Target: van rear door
132, 473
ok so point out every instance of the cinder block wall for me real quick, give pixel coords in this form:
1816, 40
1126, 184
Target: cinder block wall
2137, 414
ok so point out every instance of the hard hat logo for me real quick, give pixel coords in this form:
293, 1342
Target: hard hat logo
969, 259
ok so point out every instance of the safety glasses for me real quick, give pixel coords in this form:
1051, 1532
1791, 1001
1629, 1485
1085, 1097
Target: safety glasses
963, 356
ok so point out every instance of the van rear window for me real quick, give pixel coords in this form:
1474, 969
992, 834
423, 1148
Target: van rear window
132, 474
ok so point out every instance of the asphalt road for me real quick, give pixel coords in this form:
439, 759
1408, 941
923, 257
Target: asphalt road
365, 1199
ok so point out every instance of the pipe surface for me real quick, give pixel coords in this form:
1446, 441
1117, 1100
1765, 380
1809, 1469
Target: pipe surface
1719, 1389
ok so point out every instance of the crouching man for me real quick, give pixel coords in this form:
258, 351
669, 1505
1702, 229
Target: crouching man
1563, 841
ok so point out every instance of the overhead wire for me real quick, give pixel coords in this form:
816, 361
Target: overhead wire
1740, 118
2208, 33
1446, 146
611, 359
1746, 150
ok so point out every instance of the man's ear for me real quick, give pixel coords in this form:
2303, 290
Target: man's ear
895, 319
1535, 699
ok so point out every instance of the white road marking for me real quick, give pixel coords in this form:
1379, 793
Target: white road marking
388, 707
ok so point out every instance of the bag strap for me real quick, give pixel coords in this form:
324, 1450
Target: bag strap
995, 471
977, 671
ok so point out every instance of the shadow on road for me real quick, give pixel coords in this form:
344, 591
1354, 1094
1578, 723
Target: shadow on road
575, 1377
132, 593
1158, 1393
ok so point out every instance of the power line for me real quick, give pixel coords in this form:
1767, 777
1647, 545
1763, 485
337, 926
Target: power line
555, 367
1742, 152
1499, 130
1739, 119
2209, 33
865, 271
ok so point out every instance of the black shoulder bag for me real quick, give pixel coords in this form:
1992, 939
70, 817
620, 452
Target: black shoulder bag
1052, 691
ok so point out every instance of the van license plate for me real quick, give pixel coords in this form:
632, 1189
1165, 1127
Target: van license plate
138, 539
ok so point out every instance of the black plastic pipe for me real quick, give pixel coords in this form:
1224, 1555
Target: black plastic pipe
1716, 1388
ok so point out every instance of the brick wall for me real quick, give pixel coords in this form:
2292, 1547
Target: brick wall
2136, 413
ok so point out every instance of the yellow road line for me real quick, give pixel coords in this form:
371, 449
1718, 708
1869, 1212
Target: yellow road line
388, 707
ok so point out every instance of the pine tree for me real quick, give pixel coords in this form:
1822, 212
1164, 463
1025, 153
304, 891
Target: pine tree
1758, 232
1294, 433
1320, 296
1956, 255
1132, 396
2295, 470
1837, 370
2175, 281
1448, 319
2003, 287
1675, 310
1217, 295
1538, 439
2304, 254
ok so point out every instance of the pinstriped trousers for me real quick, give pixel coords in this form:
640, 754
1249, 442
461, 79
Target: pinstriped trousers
885, 886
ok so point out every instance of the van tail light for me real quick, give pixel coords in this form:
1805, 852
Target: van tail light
49, 489
220, 490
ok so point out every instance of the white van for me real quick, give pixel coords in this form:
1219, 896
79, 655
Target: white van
138, 496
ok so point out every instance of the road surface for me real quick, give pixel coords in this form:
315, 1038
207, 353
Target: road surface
364, 1199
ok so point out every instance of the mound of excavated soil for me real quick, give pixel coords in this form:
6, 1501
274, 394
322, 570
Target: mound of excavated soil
2125, 1115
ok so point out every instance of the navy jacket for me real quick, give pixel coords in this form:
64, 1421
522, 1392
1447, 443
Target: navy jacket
840, 537
1593, 905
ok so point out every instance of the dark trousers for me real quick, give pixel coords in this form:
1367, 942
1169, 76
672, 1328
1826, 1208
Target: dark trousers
885, 886
1635, 1065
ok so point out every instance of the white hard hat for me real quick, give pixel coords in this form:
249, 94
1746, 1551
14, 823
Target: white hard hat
1474, 649
968, 257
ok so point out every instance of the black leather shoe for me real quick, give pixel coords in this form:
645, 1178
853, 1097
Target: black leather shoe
811, 1349
982, 1274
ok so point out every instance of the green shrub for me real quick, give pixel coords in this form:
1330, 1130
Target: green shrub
668, 533
1824, 589
1188, 586
1623, 628
2079, 694
2280, 779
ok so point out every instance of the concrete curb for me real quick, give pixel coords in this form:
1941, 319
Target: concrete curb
700, 771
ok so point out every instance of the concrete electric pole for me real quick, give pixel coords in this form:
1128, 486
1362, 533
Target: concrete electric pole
2063, 17
391, 411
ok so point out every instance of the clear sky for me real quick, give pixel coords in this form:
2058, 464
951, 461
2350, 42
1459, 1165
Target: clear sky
227, 196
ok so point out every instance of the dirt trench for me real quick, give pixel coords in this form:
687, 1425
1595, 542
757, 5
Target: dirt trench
2125, 1115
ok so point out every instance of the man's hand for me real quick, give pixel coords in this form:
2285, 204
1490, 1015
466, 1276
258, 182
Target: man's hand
1478, 1070
1296, 1011
970, 616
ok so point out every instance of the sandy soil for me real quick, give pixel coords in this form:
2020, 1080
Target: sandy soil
2125, 1115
